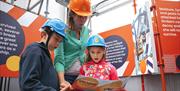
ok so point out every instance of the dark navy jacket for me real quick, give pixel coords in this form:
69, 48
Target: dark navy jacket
37, 72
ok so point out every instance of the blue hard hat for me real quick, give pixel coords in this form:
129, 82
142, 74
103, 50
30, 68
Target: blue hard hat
96, 40
57, 26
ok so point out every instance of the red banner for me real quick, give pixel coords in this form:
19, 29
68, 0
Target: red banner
168, 21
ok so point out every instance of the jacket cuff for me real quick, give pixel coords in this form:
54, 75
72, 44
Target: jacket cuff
59, 67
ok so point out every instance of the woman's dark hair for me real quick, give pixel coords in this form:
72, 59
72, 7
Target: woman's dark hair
88, 57
70, 19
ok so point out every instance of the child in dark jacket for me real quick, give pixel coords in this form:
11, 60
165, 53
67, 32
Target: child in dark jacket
37, 72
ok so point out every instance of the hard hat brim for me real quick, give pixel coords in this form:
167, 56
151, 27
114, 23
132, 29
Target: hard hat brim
82, 13
96, 45
59, 33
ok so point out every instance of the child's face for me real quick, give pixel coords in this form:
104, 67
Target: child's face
96, 53
54, 41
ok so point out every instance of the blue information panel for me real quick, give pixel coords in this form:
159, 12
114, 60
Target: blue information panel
11, 37
117, 50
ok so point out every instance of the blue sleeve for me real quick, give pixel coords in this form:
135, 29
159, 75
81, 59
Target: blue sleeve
30, 70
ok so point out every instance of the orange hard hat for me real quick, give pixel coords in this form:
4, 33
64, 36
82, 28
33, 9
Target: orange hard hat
80, 7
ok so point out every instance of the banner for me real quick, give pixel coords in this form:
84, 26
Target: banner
143, 38
168, 25
120, 50
131, 48
18, 28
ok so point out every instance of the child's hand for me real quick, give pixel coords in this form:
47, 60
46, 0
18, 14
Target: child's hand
64, 86
71, 88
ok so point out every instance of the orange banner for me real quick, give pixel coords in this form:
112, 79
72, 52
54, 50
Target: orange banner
168, 21
120, 51
18, 28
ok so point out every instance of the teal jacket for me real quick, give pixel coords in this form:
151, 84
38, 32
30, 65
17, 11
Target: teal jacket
71, 49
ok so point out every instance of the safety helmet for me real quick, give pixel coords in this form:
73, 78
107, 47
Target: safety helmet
96, 40
56, 25
80, 7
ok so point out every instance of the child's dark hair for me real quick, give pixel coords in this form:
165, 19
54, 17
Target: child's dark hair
47, 30
88, 57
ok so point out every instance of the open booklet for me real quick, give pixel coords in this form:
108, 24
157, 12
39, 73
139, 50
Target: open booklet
83, 83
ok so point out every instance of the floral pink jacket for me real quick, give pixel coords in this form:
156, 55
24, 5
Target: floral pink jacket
101, 70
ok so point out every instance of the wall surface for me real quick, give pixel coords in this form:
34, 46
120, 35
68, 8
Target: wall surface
153, 83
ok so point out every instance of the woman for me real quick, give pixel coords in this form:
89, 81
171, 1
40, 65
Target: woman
70, 54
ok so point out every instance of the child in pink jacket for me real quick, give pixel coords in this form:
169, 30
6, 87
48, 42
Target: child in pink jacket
96, 66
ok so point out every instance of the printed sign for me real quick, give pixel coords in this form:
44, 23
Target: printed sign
168, 21
120, 49
18, 29
143, 37
117, 50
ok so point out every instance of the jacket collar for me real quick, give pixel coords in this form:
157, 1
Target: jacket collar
100, 62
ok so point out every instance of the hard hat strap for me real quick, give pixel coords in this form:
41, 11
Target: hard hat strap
49, 32
49, 36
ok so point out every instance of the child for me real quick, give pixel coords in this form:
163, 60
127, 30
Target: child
95, 65
37, 72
